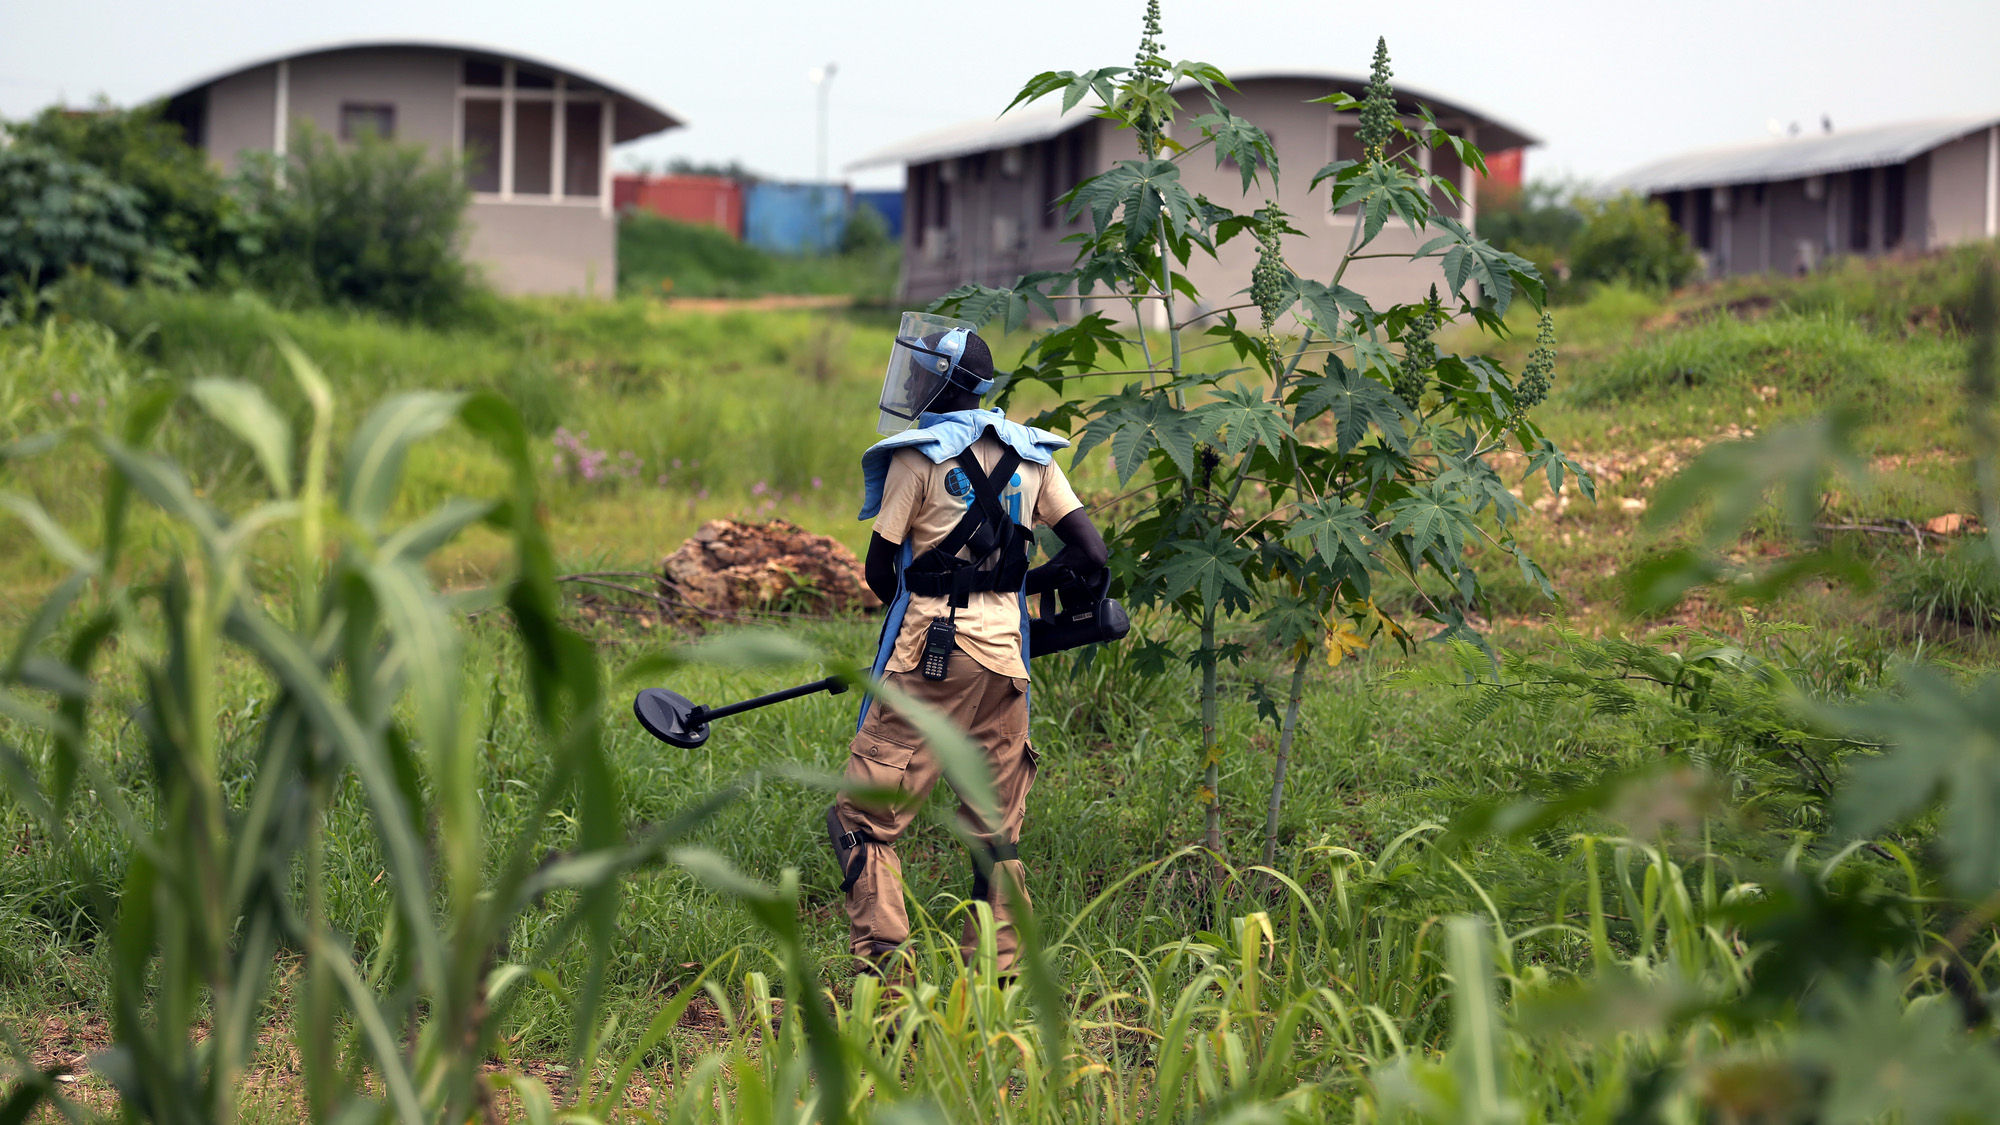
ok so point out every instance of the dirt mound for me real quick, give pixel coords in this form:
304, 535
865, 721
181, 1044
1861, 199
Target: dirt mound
729, 566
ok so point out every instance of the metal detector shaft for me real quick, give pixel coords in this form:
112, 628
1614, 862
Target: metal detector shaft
678, 721
832, 685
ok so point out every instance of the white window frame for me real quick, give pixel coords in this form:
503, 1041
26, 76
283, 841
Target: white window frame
560, 97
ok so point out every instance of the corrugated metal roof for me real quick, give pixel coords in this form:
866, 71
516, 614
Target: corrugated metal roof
1793, 158
650, 118
1042, 120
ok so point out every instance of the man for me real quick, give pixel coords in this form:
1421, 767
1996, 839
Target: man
954, 501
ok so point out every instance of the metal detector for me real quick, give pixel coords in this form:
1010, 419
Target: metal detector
678, 721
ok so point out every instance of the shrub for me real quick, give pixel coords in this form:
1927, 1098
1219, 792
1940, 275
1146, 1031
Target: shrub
372, 224
866, 232
183, 200
1539, 223
1960, 586
1631, 239
59, 216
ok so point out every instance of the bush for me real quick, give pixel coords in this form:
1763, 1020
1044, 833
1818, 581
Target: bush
183, 200
1960, 586
372, 224
866, 232
1539, 223
1632, 240
59, 217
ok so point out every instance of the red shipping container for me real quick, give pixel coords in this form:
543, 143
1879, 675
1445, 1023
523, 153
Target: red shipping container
715, 201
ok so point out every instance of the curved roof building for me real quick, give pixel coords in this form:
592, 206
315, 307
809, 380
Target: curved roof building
534, 139
979, 198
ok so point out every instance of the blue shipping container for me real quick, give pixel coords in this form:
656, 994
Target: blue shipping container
794, 218
888, 204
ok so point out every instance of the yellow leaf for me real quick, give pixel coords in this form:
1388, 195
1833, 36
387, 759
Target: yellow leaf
1341, 639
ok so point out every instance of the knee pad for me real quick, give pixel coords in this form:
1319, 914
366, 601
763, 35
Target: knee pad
847, 848
983, 860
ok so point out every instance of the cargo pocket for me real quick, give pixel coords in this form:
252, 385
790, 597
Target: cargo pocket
877, 762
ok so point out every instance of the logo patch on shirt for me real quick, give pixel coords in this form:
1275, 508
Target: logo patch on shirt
955, 482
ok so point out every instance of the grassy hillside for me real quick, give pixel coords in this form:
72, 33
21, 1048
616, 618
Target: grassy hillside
659, 257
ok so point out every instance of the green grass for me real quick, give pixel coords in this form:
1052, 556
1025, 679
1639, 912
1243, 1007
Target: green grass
717, 404
659, 257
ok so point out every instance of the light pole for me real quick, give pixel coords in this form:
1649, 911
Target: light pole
822, 79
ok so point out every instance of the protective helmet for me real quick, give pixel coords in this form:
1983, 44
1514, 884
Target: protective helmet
931, 354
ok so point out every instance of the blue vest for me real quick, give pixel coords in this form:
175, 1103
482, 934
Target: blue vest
941, 437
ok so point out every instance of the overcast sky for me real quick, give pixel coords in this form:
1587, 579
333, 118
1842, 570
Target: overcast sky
1606, 84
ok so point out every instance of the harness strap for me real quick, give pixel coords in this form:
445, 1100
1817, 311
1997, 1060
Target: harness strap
982, 872
987, 530
852, 841
986, 513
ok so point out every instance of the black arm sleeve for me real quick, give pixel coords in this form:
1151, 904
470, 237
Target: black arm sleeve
879, 571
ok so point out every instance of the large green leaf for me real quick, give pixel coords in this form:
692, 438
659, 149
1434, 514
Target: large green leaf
251, 417
1735, 475
1136, 422
1469, 258
374, 460
1139, 191
1241, 417
1944, 742
1432, 516
1338, 531
1358, 404
1210, 568
1238, 142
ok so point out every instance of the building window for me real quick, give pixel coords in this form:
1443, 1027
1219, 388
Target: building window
534, 146
583, 123
357, 121
481, 138
484, 72
531, 135
1860, 200
1892, 206
1703, 202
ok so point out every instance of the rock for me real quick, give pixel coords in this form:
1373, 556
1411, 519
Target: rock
726, 567
1632, 504
1951, 523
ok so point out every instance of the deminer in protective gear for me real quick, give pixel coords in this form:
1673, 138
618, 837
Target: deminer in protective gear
954, 499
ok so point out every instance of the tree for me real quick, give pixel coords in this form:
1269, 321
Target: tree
1346, 450
59, 217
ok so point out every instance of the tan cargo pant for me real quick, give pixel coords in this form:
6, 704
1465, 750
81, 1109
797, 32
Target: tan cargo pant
888, 753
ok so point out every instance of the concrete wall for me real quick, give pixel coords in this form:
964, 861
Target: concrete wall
522, 246
545, 247
995, 230
1958, 191
421, 84
242, 115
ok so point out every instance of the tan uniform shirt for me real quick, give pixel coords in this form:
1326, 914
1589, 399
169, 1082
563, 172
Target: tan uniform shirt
920, 503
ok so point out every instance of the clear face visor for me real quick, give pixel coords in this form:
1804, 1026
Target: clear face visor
927, 348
